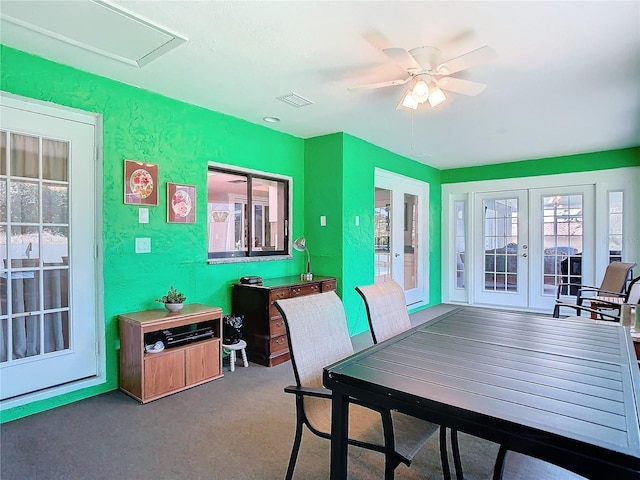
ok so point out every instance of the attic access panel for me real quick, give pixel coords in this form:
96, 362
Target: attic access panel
94, 25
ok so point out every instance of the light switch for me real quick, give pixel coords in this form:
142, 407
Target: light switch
143, 245
357, 220
143, 215
323, 221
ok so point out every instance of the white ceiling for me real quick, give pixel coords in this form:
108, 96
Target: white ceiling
567, 77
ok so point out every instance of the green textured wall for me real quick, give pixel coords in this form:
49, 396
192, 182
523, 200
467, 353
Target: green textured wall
324, 196
586, 162
360, 160
181, 139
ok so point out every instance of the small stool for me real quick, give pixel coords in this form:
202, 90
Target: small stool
241, 345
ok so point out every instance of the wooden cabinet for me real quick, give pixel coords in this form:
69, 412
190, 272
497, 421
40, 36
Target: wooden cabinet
264, 329
149, 376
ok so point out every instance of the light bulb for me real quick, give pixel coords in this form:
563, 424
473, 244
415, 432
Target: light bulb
436, 97
420, 91
409, 102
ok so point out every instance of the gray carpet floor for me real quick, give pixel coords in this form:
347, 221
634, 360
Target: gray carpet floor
238, 427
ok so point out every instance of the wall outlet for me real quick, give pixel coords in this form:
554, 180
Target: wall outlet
143, 245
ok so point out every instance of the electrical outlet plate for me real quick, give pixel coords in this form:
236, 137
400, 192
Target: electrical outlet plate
143, 245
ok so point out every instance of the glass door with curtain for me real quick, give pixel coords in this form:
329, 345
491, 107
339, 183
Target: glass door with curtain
47, 292
501, 249
399, 241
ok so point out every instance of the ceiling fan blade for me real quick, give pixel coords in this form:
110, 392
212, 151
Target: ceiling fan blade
402, 58
458, 85
474, 57
371, 86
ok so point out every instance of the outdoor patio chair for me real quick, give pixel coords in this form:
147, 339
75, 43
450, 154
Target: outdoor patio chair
611, 311
387, 314
611, 290
318, 336
511, 465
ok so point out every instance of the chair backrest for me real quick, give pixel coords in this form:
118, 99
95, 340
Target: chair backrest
386, 309
317, 334
615, 276
633, 292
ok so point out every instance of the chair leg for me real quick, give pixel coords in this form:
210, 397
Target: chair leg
457, 463
556, 311
497, 469
390, 461
444, 457
295, 449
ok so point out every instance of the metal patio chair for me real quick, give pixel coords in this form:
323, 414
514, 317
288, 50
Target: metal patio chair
318, 336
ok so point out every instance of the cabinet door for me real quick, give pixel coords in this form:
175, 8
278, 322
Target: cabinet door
163, 373
202, 361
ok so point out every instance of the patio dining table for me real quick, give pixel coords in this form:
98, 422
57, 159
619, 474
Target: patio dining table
562, 390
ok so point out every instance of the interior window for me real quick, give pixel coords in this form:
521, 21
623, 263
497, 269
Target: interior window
248, 214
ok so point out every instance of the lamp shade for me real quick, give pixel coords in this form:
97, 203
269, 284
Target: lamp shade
300, 244
436, 97
420, 91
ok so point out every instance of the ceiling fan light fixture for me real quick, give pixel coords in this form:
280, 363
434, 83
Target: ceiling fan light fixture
408, 101
420, 91
436, 97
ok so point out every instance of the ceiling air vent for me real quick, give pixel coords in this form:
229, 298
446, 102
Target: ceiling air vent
295, 100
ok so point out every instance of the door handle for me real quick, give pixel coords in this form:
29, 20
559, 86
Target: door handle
524, 255
397, 254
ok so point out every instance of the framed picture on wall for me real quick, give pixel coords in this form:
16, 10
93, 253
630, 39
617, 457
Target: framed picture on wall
181, 203
140, 183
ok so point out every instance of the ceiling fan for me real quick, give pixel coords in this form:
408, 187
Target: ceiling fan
429, 77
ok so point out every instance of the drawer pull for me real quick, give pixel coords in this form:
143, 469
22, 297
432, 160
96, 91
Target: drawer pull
278, 324
280, 295
280, 341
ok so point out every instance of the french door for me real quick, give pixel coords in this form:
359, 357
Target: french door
399, 237
527, 242
47, 247
501, 273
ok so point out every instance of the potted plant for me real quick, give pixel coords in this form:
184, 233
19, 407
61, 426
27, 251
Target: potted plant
173, 300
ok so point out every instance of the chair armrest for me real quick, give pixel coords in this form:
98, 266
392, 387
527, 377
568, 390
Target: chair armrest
579, 308
611, 294
326, 393
308, 391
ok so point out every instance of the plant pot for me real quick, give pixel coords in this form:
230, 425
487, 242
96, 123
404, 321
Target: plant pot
174, 307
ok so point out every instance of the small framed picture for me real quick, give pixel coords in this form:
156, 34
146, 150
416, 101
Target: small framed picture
181, 203
140, 183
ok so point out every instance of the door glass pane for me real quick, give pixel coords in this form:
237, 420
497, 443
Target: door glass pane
34, 280
24, 200
615, 226
24, 158
382, 235
501, 245
411, 241
459, 222
55, 155
563, 242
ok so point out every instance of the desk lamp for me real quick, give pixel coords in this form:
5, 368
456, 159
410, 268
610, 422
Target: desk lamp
301, 245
